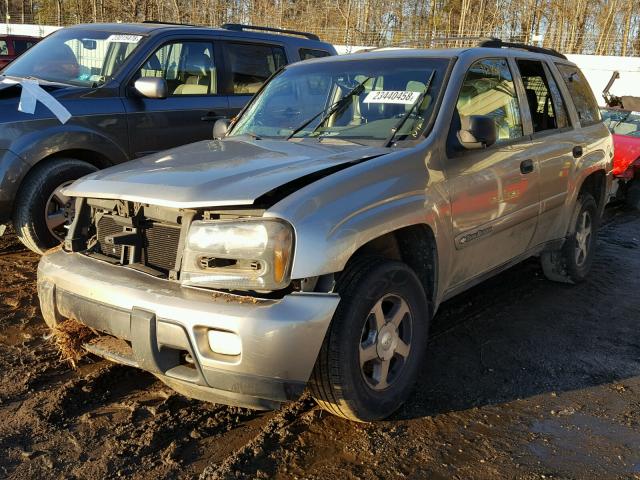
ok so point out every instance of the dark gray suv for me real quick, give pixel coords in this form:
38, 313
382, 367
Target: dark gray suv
130, 90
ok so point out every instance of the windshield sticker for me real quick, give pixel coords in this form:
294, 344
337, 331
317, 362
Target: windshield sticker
124, 38
389, 96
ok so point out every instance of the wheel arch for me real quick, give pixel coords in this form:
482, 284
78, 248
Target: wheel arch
414, 245
595, 183
94, 158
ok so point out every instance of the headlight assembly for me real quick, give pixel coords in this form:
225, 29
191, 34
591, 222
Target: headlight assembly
238, 254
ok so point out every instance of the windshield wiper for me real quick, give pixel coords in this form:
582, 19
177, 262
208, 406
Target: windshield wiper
396, 128
336, 107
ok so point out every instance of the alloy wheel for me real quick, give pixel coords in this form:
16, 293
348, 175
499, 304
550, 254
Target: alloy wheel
385, 343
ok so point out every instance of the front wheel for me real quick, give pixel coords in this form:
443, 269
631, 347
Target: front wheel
571, 263
42, 211
371, 355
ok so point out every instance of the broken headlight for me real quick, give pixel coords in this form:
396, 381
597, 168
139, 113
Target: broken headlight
238, 254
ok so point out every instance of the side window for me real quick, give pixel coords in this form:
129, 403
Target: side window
545, 103
488, 89
4, 49
188, 68
581, 93
251, 65
309, 53
21, 46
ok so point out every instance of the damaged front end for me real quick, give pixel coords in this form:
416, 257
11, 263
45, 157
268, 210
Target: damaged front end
167, 289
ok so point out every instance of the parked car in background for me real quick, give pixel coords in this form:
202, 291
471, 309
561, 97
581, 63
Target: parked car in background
625, 127
131, 90
315, 241
12, 46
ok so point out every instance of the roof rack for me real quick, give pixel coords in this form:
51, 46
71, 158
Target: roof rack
240, 28
497, 43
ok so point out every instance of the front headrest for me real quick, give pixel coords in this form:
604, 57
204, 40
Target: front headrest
198, 65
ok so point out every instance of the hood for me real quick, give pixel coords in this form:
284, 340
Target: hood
233, 171
10, 98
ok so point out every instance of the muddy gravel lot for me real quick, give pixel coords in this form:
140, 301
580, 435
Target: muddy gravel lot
523, 379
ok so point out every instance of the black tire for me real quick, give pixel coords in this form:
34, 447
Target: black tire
567, 265
633, 194
33, 199
339, 384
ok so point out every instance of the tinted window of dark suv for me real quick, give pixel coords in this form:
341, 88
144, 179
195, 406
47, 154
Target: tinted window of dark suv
21, 46
581, 94
309, 53
251, 65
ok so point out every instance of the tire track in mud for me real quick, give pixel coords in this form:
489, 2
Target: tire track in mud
260, 453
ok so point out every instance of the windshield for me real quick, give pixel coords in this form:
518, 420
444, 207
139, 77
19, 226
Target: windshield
622, 122
77, 57
357, 100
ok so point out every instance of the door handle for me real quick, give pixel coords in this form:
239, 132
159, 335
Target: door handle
577, 151
526, 166
211, 117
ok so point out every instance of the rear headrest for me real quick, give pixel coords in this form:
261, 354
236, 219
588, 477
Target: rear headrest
532, 98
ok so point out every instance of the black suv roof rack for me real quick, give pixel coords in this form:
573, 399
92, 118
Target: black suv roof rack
497, 43
240, 28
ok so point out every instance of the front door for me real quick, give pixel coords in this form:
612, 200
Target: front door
194, 101
493, 191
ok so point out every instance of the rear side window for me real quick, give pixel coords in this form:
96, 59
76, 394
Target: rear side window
251, 65
4, 49
543, 98
21, 46
581, 93
309, 53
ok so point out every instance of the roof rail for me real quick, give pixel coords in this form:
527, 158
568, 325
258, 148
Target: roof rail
170, 23
240, 28
497, 43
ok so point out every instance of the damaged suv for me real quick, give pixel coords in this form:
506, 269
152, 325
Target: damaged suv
313, 244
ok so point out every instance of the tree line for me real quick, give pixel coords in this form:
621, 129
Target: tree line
604, 27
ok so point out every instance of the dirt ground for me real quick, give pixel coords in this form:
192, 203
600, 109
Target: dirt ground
523, 379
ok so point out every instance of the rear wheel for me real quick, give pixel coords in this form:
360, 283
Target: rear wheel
42, 211
571, 263
371, 355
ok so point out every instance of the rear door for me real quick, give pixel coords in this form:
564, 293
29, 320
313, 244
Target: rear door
191, 69
553, 143
493, 191
247, 67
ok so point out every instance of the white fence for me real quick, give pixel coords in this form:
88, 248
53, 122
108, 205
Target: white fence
25, 29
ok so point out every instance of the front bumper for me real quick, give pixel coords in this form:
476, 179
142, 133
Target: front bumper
162, 322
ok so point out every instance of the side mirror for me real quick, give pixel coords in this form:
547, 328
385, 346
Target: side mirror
220, 128
152, 87
478, 131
